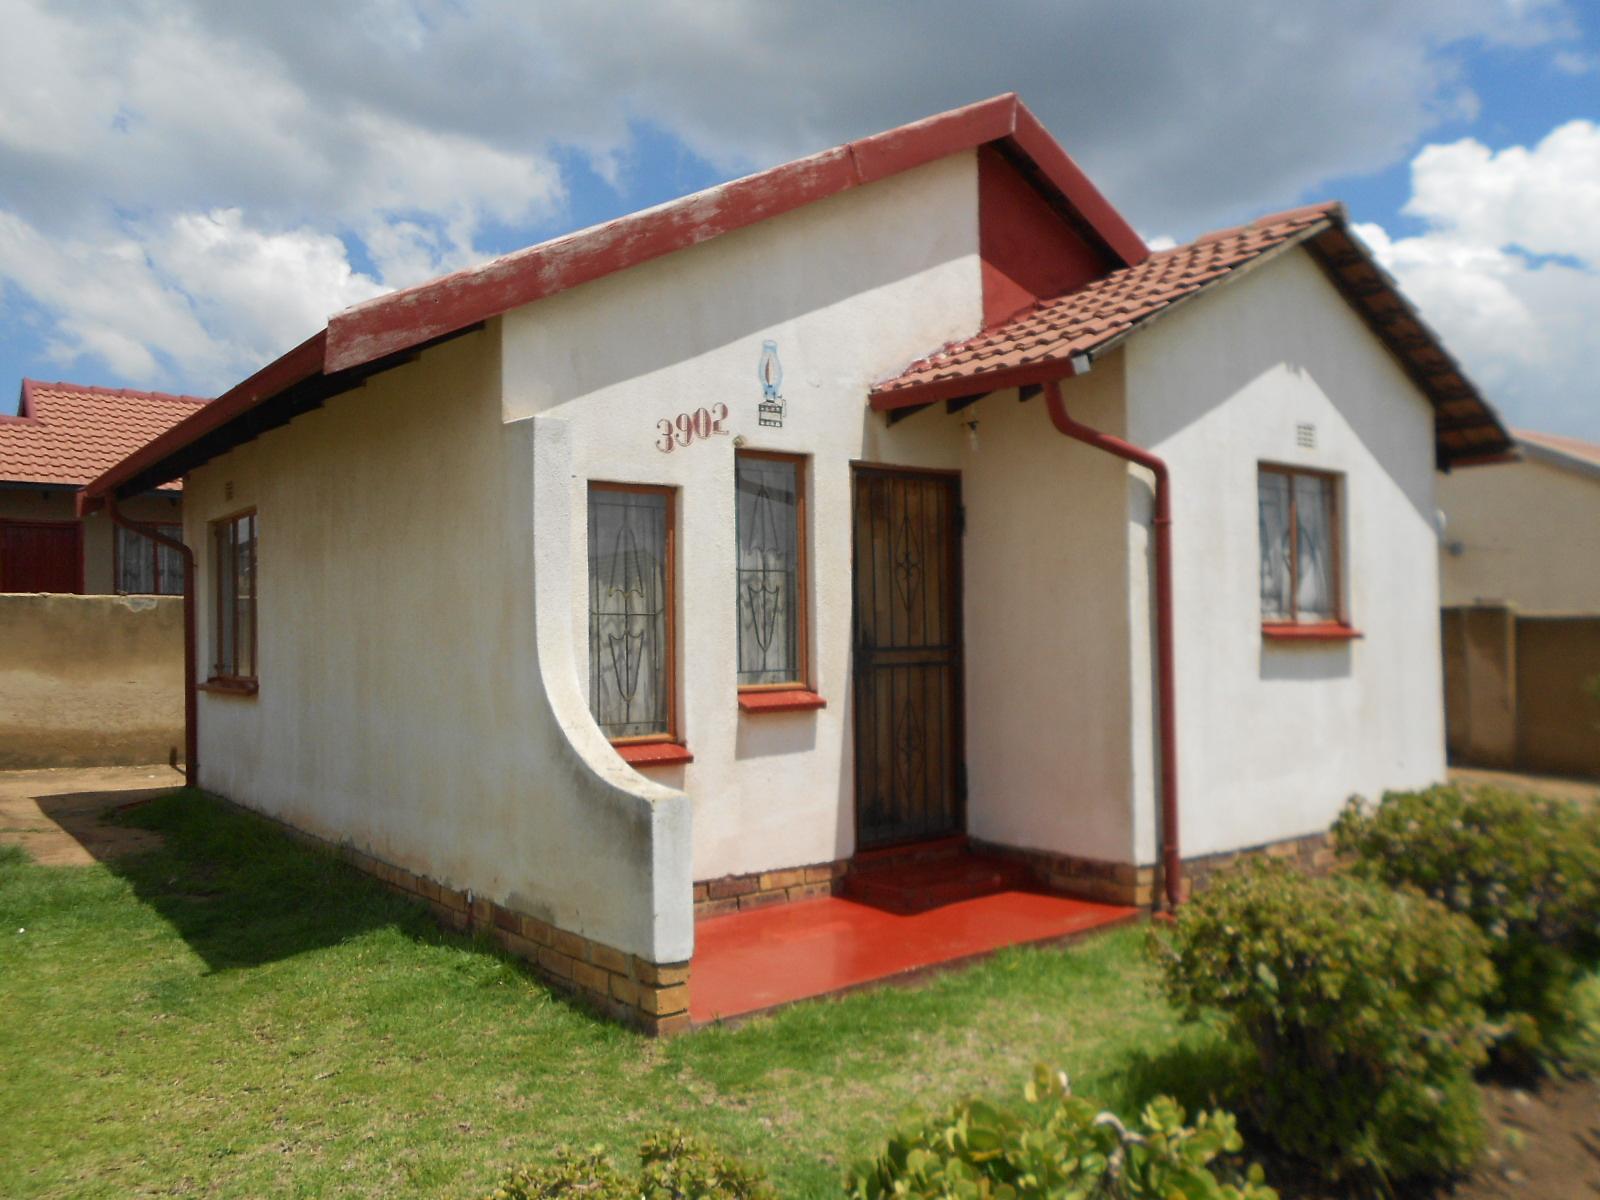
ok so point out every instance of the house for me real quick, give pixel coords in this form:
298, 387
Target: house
1527, 532
1519, 576
62, 436
894, 494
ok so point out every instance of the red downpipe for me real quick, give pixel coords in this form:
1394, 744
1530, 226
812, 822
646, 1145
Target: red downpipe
1171, 859
191, 705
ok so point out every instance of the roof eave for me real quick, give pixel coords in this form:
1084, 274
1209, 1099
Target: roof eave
382, 328
1468, 431
388, 323
1060, 366
1556, 457
303, 362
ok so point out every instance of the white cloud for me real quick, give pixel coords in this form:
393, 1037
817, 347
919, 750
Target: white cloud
200, 290
216, 157
1508, 269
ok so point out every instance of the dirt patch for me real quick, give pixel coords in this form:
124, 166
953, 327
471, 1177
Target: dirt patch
1544, 1142
58, 816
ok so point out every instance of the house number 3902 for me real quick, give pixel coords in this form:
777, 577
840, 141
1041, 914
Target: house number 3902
685, 427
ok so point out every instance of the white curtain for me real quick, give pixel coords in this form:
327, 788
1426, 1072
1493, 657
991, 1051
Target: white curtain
1313, 513
1277, 571
768, 570
136, 565
146, 567
628, 685
169, 563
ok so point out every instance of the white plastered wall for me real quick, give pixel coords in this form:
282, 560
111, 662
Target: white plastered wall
1274, 737
1050, 728
851, 289
1526, 532
402, 707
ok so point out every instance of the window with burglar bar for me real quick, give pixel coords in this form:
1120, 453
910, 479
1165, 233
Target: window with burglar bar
1300, 553
233, 566
770, 527
631, 636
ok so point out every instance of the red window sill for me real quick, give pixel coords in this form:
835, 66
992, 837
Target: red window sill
653, 754
1327, 631
231, 687
789, 700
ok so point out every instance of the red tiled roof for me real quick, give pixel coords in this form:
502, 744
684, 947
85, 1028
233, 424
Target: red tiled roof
66, 434
1042, 342
1563, 447
1092, 317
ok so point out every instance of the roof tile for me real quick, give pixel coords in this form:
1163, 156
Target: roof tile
1084, 320
67, 434
1571, 447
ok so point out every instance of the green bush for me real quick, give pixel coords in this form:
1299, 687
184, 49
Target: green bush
1359, 1011
673, 1166
1057, 1145
1525, 870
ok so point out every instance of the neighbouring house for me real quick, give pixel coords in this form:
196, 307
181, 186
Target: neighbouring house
1528, 532
62, 436
689, 560
1519, 576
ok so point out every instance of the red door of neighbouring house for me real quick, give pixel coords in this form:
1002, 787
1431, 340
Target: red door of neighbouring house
41, 556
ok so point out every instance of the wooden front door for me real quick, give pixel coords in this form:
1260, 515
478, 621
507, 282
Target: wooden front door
908, 728
41, 556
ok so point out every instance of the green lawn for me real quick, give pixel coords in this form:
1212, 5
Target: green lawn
237, 1015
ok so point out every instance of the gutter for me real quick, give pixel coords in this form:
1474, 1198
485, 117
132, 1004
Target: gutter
1166, 686
191, 705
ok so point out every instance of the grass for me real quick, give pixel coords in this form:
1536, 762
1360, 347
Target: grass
237, 1015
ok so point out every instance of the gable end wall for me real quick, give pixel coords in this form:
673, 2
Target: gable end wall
1274, 737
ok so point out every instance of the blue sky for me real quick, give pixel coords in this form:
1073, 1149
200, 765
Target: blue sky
217, 179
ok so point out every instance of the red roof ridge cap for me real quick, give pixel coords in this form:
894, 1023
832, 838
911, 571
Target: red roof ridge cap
853, 150
1333, 210
1306, 212
89, 389
96, 389
396, 320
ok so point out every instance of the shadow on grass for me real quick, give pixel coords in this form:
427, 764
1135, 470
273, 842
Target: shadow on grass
240, 893
1200, 1070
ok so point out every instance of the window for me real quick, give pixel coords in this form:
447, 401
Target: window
770, 524
631, 676
147, 568
233, 562
1300, 571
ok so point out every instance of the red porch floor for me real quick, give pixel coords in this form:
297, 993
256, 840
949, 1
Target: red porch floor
749, 961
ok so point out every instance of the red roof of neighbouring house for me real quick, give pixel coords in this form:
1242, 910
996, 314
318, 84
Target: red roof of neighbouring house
65, 434
372, 336
1043, 341
1563, 451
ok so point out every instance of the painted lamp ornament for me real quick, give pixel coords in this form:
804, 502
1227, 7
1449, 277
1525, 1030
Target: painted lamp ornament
770, 373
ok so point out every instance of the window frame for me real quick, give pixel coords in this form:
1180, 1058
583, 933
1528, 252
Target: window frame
218, 679
171, 529
672, 734
802, 632
1293, 624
